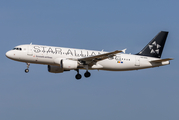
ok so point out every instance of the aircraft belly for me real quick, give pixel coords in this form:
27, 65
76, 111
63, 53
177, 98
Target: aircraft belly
114, 65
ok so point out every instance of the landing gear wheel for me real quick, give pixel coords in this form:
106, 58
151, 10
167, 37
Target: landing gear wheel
78, 76
87, 74
26, 70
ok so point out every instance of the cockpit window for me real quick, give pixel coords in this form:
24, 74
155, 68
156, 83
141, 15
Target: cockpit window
17, 48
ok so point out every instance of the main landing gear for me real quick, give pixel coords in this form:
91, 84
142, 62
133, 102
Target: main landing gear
78, 76
27, 70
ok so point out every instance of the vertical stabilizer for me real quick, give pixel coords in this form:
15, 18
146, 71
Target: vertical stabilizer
155, 47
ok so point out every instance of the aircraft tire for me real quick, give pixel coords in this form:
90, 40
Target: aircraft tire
78, 76
26, 70
87, 74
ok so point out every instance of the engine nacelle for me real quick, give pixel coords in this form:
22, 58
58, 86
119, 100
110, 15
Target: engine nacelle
69, 64
66, 64
55, 69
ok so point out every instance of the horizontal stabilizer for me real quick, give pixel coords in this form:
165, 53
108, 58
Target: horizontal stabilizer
162, 60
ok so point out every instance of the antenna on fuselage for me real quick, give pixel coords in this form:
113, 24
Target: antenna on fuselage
30, 43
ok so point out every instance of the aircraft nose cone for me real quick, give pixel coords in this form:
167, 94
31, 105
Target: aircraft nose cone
9, 54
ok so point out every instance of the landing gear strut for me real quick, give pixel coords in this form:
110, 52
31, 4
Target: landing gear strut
78, 76
87, 74
27, 70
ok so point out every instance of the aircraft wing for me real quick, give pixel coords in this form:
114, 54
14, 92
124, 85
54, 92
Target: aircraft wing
93, 59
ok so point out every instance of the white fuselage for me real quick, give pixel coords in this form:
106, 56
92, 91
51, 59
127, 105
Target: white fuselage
48, 55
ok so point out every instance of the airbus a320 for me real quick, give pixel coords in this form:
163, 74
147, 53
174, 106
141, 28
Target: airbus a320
60, 59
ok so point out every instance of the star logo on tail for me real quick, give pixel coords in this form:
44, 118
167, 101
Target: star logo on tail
154, 47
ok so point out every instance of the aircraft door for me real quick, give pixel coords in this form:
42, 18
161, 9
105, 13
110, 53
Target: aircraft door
137, 61
29, 50
118, 58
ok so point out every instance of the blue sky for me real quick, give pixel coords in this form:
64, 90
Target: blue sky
109, 25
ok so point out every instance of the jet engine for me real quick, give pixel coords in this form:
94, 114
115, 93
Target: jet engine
55, 69
69, 64
63, 65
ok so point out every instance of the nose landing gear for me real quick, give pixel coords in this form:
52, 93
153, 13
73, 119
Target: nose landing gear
27, 70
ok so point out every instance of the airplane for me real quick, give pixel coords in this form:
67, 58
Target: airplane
60, 59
